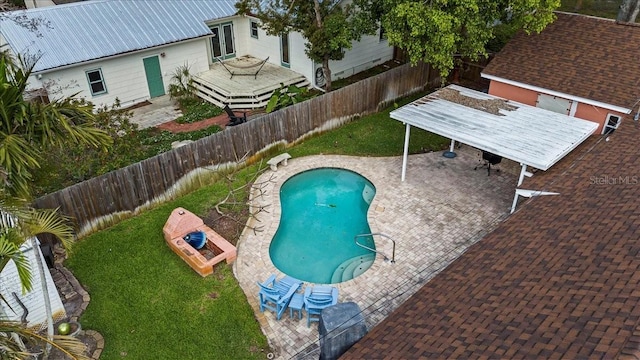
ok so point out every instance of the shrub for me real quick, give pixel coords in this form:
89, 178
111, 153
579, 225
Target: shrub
197, 110
286, 96
181, 83
65, 166
159, 143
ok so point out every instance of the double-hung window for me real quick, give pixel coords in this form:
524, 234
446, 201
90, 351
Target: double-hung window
284, 50
254, 29
96, 82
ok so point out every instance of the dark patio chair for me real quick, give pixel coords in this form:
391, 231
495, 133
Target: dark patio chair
489, 159
233, 118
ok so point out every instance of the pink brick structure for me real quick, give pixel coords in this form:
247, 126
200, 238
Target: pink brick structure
180, 223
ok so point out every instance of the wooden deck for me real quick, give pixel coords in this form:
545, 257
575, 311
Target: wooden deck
245, 89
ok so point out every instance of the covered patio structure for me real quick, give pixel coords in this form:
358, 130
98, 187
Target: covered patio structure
528, 135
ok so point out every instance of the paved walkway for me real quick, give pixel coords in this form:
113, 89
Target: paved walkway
160, 110
442, 208
75, 299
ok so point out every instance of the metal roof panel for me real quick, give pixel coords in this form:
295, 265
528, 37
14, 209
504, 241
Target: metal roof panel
525, 134
85, 31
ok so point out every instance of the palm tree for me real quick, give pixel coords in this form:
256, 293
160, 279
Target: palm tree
10, 348
27, 126
20, 223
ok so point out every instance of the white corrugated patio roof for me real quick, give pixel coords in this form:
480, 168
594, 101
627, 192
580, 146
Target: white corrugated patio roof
522, 133
84, 31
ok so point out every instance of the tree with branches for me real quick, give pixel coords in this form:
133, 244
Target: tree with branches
27, 126
438, 31
20, 224
328, 26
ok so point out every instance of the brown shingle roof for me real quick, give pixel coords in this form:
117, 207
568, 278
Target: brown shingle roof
579, 55
559, 278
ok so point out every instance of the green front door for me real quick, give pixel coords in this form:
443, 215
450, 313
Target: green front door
154, 76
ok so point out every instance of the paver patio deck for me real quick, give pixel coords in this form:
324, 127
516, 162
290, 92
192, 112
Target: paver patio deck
442, 208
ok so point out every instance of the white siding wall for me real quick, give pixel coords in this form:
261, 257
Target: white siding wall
124, 76
33, 300
245, 44
365, 54
269, 46
300, 63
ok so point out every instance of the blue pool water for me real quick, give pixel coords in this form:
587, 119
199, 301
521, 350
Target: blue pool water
322, 211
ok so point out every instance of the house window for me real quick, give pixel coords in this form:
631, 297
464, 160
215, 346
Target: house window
284, 50
554, 103
611, 124
222, 46
383, 34
96, 82
254, 29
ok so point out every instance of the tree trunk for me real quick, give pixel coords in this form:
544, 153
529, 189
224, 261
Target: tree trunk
327, 73
45, 293
578, 5
628, 11
325, 59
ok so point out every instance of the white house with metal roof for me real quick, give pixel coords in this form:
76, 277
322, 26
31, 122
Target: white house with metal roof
105, 50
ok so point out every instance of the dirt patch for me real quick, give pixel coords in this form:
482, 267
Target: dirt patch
138, 105
229, 225
174, 127
492, 106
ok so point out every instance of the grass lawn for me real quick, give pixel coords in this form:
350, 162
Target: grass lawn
149, 304
373, 135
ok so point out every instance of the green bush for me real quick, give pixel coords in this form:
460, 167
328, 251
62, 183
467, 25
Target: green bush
71, 164
161, 142
286, 96
181, 83
195, 111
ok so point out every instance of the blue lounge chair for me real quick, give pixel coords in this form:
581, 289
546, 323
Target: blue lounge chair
317, 298
276, 294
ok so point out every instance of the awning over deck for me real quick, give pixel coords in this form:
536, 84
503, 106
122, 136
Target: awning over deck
528, 135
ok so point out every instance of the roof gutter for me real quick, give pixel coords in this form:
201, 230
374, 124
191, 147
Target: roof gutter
558, 94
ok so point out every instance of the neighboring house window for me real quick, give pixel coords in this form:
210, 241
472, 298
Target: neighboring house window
554, 103
284, 50
254, 29
96, 82
611, 124
383, 34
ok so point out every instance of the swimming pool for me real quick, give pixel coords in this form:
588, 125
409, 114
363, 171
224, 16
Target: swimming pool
322, 211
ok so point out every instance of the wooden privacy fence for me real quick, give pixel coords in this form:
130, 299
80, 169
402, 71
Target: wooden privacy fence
126, 189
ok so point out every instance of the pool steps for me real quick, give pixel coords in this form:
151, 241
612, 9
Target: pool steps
353, 267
